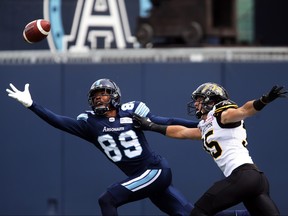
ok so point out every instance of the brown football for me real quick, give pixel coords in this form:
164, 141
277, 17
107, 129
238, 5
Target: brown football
36, 30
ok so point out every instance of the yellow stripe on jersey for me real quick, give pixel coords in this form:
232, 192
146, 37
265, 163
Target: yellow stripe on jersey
221, 109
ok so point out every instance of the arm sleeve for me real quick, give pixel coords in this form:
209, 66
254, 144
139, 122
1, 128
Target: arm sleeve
144, 111
64, 123
172, 121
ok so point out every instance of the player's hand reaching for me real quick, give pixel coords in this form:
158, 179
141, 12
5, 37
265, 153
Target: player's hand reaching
275, 92
23, 97
145, 124
141, 122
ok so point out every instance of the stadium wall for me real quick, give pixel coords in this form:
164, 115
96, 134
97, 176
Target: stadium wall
47, 172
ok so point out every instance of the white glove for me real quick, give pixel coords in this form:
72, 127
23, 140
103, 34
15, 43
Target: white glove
23, 97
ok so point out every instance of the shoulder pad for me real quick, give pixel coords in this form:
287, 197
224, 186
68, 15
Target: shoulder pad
142, 109
84, 116
137, 107
223, 105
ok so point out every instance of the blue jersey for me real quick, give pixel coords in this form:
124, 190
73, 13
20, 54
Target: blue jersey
116, 137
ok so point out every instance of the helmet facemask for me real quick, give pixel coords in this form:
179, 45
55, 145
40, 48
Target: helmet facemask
100, 109
206, 106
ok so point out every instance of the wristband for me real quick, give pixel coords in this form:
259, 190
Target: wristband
158, 128
258, 104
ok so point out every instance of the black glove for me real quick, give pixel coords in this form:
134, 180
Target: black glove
275, 92
141, 122
145, 124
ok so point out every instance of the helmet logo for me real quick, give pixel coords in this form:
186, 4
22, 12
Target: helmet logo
208, 89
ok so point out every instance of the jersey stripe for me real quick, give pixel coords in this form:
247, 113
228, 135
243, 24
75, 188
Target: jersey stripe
147, 178
82, 116
221, 109
142, 109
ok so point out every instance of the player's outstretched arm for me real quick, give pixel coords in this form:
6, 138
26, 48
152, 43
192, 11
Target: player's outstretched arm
24, 97
252, 107
65, 123
274, 93
173, 131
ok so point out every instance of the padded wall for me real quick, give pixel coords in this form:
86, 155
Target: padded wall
39, 163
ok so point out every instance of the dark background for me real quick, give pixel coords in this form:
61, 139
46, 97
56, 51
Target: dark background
270, 21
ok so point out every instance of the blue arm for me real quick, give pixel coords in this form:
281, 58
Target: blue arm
172, 121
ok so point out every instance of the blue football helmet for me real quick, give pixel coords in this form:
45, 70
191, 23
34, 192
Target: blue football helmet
111, 88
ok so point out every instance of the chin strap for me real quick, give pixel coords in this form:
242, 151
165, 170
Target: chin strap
101, 111
198, 114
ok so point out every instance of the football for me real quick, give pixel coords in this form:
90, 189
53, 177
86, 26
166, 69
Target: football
36, 30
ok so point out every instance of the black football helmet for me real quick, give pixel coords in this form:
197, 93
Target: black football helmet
211, 93
111, 88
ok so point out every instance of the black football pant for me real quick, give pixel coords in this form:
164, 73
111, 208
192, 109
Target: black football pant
246, 184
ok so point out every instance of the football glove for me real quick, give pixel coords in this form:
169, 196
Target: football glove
275, 92
146, 124
24, 97
141, 122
